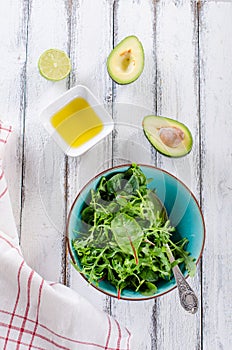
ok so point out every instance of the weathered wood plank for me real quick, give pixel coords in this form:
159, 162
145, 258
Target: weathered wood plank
216, 111
91, 43
13, 29
43, 204
177, 97
135, 18
169, 32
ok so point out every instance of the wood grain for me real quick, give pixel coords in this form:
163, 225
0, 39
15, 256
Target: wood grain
91, 42
216, 111
43, 163
177, 97
13, 29
131, 103
187, 76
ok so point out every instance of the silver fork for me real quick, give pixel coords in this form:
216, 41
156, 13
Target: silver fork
188, 298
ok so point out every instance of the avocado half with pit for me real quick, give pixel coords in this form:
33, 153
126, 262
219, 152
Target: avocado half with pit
168, 136
126, 61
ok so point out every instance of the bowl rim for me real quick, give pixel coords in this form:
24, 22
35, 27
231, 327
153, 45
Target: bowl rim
115, 168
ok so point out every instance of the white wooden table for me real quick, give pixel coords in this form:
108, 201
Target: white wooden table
188, 76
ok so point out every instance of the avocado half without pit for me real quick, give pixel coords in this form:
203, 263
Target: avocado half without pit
126, 61
168, 136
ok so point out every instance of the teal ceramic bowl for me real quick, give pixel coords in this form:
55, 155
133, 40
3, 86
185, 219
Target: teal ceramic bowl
183, 211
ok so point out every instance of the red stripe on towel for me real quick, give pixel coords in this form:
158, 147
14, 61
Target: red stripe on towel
119, 335
27, 309
15, 307
52, 332
15, 341
10, 244
37, 314
109, 333
53, 284
4, 192
2, 128
37, 335
128, 340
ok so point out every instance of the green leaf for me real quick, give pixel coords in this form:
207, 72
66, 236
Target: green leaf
114, 184
132, 184
121, 201
127, 233
102, 184
112, 207
190, 266
149, 275
150, 288
87, 215
158, 207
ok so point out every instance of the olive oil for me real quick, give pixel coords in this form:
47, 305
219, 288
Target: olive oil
77, 122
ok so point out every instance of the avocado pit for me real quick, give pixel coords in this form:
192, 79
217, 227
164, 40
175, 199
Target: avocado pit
128, 61
171, 136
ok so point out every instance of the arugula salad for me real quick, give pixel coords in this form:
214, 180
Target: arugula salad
123, 236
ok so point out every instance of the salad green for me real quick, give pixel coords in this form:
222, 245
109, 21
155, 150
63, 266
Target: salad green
123, 236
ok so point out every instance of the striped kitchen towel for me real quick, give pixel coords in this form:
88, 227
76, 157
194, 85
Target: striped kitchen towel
35, 314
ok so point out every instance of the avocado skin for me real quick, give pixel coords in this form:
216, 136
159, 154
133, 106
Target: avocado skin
175, 123
112, 75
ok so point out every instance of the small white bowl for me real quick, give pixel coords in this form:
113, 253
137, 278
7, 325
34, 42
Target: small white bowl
63, 100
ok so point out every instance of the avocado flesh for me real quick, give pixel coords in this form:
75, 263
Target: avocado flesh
126, 61
168, 136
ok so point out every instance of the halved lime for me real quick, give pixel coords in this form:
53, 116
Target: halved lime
54, 64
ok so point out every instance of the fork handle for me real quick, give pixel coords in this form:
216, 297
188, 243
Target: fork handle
188, 298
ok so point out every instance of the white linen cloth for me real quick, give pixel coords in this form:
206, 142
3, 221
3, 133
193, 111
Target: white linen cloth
35, 314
